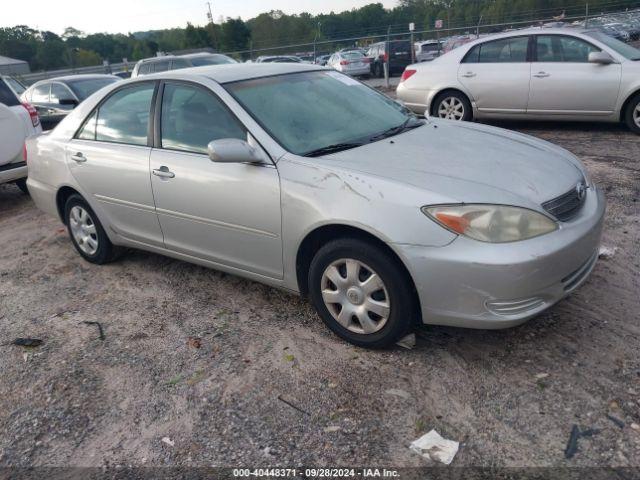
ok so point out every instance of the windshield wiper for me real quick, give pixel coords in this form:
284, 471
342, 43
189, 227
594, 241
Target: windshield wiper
398, 129
338, 147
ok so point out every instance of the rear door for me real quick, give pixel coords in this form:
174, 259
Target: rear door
563, 82
228, 213
109, 157
497, 74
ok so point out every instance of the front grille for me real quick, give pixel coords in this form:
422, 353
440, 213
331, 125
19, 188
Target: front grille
567, 206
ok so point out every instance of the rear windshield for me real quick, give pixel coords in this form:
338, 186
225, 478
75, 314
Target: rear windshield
85, 88
7, 96
400, 47
352, 55
15, 85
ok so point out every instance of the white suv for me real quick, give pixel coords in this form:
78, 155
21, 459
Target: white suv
18, 121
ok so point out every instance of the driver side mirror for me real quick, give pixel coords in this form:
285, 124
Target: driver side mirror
602, 58
233, 150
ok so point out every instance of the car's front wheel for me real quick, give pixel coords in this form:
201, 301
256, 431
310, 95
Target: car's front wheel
362, 293
632, 114
86, 232
453, 106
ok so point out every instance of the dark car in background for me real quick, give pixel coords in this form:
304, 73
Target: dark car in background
54, 98
164, 63
396, 52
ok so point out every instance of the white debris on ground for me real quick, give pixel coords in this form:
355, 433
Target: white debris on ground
433, 447
398, 393
168, 441
607, 252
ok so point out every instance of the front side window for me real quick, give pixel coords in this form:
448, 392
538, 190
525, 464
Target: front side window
309, 111
161, 66
627, 51
211, 60
144, 69
178, 63
124, 117
60, 92
41, 93
560, 48
506, 50
192, 117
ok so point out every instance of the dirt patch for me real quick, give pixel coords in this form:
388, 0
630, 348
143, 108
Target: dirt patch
268, 383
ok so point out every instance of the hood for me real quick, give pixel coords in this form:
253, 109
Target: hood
469, 163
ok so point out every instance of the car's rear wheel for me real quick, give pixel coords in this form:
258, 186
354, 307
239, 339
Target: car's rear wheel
632, 114
362, 293
22, 185
86, 232
453, 106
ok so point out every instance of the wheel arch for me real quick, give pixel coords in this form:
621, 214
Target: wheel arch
62, 196
320, 236
444, 90
625, 104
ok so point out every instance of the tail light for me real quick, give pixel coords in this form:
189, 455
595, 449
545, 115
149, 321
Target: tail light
344, 62
33, 113
407, 74
385, 57
366, 60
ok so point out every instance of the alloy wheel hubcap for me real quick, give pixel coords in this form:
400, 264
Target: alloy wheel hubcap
83, 230
636, 115
356, 296
451, 108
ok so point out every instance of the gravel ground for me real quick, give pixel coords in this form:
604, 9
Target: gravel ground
230, 372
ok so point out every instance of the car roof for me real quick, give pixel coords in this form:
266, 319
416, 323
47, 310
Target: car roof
69, 78
234, 72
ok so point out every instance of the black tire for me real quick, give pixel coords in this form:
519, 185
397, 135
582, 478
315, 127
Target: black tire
106, 251
22, 185
468, 111
403, 308
629, 113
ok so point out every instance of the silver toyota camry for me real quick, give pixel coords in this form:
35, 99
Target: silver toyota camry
305, 179
532, 74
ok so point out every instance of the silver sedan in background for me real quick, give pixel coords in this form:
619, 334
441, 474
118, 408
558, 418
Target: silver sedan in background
300, 177
535, 74
351, 62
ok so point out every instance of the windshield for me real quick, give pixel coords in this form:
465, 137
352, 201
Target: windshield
627, 51
86, 88
211, 60
311, 111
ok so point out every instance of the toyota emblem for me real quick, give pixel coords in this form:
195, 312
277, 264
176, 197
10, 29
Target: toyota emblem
581, 190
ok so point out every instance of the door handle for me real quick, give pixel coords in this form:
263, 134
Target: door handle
542, 75
79, 157
163, 172
469, 75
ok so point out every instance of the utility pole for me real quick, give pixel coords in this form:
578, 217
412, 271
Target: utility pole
586, 15
315, 41
213, 28
387, 65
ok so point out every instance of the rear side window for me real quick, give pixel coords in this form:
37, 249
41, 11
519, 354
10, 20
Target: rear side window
144, 69
7, 96
124, 117
192, 117
557, 48
179, 63
506, 50
161, 66
88, 131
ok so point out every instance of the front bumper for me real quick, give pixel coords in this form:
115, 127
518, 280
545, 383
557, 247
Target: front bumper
490, 286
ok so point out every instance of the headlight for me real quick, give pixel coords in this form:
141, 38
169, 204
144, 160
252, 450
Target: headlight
491, 223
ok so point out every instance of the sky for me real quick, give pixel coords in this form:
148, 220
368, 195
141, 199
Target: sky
123, 16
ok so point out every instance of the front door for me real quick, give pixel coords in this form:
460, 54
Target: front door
497, 74
228, 213
109, 157
563, 82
